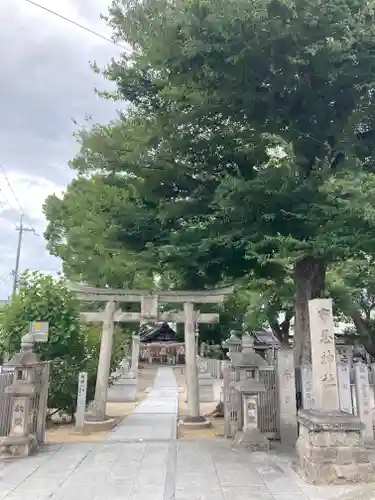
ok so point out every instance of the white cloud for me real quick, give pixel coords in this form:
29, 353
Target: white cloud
45, 82
31, 190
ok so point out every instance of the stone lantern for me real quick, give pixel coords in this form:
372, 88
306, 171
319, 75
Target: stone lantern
21, 442
247, 365
233, 344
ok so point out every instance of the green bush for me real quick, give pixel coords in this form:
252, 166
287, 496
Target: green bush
70, 349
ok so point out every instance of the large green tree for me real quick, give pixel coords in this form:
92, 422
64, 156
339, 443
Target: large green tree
246, 145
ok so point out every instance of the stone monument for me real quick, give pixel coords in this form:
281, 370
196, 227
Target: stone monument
330, 443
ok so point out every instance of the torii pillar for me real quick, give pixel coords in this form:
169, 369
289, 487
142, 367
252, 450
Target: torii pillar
192, 383
104, 365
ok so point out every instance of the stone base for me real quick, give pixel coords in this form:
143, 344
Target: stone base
124, 390
91, 425
252, 439
330, 449
195, 423
17, 446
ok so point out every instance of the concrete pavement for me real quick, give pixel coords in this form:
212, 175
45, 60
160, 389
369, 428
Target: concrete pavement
156, 417
142, 460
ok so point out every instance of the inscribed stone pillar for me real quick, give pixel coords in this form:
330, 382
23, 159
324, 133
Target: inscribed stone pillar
306, 387
135, 355
323, 355
287, 396
104, 366
343, 377
191, 363
364, 400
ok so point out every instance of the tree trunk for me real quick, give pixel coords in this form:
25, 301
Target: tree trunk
309, 276
285, 328
360, 325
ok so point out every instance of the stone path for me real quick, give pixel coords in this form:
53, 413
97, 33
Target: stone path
156, 417
142, 460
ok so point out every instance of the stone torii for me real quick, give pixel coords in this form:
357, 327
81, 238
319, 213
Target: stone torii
149, 313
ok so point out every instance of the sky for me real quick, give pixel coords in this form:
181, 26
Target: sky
46, 84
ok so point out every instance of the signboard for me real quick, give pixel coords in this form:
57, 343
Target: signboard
81, 400
39, 330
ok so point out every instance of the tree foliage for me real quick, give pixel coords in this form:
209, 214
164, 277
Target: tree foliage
43, 298
352, 285
246, 147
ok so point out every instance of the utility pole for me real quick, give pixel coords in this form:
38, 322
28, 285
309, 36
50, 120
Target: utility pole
21, 229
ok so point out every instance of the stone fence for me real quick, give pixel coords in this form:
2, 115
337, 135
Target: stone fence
215, 367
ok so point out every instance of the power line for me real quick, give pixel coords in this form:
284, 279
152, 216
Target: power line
12, 190
22, 212
5, 197
103, 37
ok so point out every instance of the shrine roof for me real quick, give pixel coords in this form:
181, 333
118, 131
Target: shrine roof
266, 338
157, 332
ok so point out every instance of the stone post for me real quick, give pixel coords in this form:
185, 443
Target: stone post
135, 356
287, 396
364, 400
323, 355
343, 376
191, 364
81, 401
99, 404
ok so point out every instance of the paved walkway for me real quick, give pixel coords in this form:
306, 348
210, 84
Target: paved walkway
156, 417
142, 460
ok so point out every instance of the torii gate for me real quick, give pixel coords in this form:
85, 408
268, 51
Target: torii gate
149, 312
